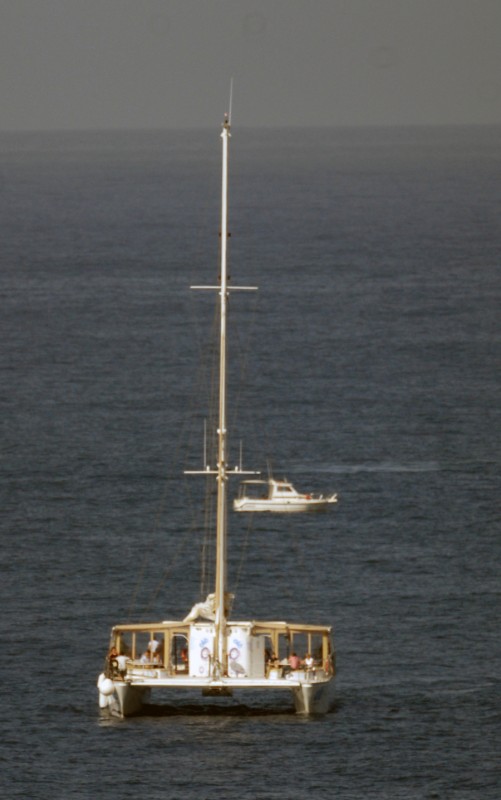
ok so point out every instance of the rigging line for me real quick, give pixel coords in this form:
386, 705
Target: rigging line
212, 404
201, 340
208, 381
207, 576
244, 347
202, 380
188, 535
156, 525
207, 541
208, 346
244, 553
231, 101
181, 546
167, 572
199, 380
206, 357
148, 552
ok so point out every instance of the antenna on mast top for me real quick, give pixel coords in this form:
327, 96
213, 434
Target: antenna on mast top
231, 101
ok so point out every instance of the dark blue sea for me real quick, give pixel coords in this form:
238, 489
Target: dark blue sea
368, 363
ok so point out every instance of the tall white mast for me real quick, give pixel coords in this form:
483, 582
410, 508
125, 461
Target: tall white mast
222, 433
222, 471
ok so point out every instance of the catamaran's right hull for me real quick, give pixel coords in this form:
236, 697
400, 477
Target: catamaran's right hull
313, 698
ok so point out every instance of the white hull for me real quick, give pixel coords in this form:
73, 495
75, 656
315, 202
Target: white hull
257, 658
309, 696
280, 506
314, 698
121, 697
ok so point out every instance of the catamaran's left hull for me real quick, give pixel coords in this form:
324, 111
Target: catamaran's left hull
131, 698
120, 697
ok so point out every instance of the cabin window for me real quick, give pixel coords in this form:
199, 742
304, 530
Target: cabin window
124, 643
283, 648
269, 650
303, 643
148, 647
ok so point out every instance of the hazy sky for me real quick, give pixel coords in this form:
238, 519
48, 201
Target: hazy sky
69, 64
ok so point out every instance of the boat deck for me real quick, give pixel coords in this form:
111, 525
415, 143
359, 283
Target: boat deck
159, 678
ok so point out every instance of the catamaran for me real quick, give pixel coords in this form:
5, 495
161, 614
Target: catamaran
207, 652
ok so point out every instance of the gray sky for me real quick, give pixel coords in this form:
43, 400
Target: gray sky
76, 64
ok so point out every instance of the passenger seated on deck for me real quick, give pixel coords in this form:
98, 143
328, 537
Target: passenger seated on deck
112, 661
309, 661
153, 646
273, 661
122, 665
294, 661
146, 657
123, 646
112, 653
184, 658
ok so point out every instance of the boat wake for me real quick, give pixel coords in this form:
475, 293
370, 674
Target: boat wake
384, 466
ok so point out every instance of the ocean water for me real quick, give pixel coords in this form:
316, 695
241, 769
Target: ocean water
368, 363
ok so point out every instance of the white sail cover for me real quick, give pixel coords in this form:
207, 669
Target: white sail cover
203, 610
206, 609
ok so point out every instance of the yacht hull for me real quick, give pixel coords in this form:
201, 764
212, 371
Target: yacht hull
281, 498
281, 507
